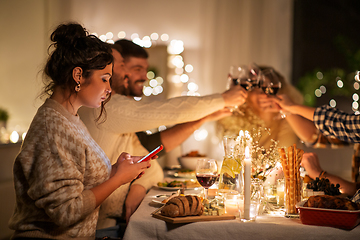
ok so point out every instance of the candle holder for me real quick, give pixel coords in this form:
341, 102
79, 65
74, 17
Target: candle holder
234, 204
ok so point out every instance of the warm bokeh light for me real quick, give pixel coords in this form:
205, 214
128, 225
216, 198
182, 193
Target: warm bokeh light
150, 74
160, 80
164, 37
134, 35
200, 134
154, 36
153, 83
179, 71
318, 93
102, 38
184, 78
109, 35
319, 75
121, 34
175, 47
189, 68
355, 97
356, 85
14, 137
340, 83
332, 103
323, 89
147, 91
193, 87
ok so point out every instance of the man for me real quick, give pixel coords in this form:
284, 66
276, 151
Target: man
125, 116
136, 64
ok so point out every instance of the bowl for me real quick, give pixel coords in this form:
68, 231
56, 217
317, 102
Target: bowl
189, 162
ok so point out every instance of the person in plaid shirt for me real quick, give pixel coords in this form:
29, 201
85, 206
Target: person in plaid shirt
320, 126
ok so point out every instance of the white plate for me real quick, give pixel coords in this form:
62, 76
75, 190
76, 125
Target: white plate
185, 174
177, 188
159, 200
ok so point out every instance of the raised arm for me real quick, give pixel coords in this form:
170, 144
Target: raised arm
177, 134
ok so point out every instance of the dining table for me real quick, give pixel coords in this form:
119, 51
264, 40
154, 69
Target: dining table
269, 225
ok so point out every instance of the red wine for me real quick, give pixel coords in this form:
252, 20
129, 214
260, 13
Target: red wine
270, 90
206, 180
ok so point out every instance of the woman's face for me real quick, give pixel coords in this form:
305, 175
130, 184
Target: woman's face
96, 88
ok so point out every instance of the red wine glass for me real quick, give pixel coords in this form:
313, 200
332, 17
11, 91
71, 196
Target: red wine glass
206, 173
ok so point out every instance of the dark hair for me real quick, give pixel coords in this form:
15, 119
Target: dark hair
117, 47
74, 47
130, 49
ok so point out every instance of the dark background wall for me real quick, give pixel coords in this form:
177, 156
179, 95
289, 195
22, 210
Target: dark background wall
317, 25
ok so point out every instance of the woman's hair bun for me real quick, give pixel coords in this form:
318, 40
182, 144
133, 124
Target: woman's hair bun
68, 34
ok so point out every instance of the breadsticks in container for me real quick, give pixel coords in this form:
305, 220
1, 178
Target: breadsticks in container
291, 167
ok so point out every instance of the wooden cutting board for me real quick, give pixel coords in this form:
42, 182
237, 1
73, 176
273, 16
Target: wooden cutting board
190, 219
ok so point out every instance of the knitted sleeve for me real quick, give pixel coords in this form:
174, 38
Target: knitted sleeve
125, 115
53, 164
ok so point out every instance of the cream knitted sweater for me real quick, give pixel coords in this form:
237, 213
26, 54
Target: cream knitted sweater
125, 116
57, 165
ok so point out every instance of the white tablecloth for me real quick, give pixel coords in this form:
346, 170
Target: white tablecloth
143, 226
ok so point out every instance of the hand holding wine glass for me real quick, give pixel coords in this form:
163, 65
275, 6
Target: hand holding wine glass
271, 84
206, 173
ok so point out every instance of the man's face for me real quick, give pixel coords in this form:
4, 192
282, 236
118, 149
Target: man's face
120, 77
137, 67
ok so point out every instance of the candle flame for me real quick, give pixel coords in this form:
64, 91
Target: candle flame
241, 133
247, 152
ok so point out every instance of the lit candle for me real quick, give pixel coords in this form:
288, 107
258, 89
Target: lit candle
247, 182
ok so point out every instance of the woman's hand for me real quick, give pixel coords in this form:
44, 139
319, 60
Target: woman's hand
284, 102
127, 167
267, 103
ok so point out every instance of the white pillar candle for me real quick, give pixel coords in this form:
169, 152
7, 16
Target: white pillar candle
247, 182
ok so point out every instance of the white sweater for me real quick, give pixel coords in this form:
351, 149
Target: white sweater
57, 165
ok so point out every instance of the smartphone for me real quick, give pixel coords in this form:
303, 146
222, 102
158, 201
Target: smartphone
151, 154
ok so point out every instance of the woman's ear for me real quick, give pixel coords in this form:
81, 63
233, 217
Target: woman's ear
77, 74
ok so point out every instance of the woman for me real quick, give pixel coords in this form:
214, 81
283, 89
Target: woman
61, 175
267, 130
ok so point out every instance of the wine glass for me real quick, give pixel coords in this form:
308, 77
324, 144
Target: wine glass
236, 73
271, 84
254, 75
206, 173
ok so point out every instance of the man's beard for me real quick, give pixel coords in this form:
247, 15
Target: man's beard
131, 92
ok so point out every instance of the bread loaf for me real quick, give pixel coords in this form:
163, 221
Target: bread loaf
331, 202
180, 206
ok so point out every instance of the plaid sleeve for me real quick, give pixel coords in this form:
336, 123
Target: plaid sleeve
333, 122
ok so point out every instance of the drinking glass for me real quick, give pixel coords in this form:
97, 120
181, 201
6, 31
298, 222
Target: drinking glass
271, 84
206, 173
255, 75
236, 73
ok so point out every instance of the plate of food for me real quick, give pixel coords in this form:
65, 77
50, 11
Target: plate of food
171, 185
332, 211
185, 173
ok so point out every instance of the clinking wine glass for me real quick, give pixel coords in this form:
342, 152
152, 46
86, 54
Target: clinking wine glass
271, 84
234, 78
206, 173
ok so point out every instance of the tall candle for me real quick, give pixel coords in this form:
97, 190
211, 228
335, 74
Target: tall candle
247, 182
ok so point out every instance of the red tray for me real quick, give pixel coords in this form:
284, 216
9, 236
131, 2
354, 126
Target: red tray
344, 219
